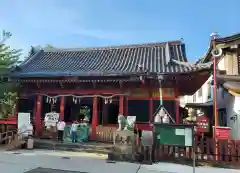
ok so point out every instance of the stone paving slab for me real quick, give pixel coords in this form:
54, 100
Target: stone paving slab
48, 170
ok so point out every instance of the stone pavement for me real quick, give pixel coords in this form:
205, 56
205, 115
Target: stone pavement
24, 161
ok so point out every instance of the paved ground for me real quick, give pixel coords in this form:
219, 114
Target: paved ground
24, 161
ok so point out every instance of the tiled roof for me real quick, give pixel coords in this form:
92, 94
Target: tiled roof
106, 61
208, 56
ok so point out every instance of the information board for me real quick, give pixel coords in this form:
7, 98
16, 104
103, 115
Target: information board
174, 135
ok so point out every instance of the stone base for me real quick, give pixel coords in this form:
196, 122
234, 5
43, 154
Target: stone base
136, 158
121, 157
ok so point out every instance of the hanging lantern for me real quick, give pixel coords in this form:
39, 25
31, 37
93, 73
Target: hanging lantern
165, 119
162, 112
79, 100
73, 99
110, 100
47, 100
157, 118
105, 101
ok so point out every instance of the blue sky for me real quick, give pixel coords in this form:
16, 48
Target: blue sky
82, 23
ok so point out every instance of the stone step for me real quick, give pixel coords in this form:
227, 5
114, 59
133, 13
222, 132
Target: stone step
16, 144
72, 147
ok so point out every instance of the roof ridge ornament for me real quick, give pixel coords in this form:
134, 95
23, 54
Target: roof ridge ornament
187, 64
167, 52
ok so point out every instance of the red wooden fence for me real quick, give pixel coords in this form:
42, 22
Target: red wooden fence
207, 150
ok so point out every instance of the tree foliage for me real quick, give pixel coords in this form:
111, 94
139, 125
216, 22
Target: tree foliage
8, 90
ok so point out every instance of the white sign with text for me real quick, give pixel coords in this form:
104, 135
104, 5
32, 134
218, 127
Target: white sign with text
51, 119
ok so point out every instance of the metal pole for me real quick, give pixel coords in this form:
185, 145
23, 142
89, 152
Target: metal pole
215, 54
215, 94
215, 102
194, 155
160, 93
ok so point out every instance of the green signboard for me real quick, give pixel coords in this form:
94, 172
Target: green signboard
176, 135
82, 133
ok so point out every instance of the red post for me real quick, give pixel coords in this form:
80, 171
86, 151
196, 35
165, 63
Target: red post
126, 107
94, 119
215, 104
121, 105
38, 115
150, 109
215, 92
61, 117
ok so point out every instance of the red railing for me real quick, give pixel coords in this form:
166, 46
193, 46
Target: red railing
207, 150
11, 120
105, 134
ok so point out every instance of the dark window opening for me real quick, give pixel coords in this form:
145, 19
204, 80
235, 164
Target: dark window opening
77, 111
222, 117
27, 105
47, 106
108, 112
140, 109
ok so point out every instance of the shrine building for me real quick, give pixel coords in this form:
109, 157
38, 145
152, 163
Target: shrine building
108, 80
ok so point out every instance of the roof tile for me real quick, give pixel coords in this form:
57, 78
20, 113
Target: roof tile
118, 60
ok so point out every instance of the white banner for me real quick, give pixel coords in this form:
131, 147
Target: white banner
236, 106
23, 119
51, 119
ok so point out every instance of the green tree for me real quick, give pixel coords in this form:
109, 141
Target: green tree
8, 90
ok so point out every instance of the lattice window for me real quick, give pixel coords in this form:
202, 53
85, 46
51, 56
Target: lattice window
238, 61
200, 92
194, 98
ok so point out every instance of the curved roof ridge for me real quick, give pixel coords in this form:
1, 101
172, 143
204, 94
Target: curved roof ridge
175, 42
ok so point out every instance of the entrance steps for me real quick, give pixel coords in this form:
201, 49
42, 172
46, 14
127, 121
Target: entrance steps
90, 147
15, 144
11, 140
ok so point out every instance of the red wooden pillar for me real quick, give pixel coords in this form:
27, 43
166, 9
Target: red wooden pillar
94, 118
121, 105
38, 115
126, 107
61, 116
150, 109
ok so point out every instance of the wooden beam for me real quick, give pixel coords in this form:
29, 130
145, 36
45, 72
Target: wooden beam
38, 115
85, 91
62, 105
121, 105
94, 119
